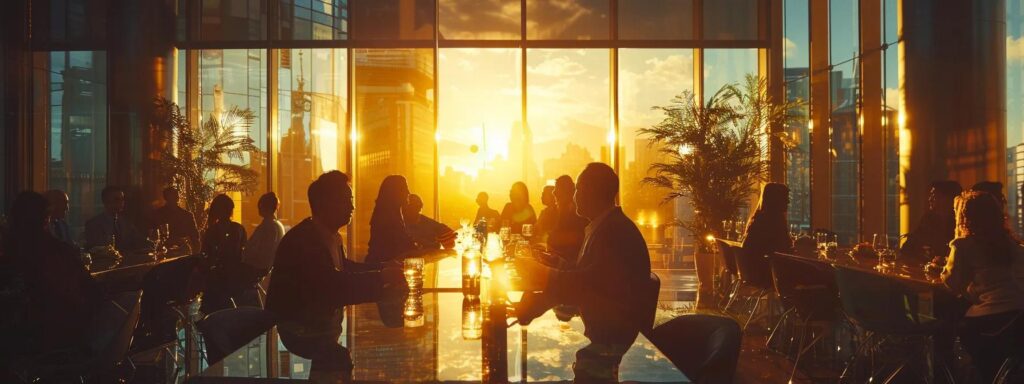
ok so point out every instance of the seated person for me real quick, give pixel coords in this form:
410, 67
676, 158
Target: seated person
518, 211
548, 217
485, 212
931, 237
223, 244
112, 225
262, 246
62, 296
766, 233
980, 268
59, 227
566, 237
180, 223
613, 271
425, 231
313, 281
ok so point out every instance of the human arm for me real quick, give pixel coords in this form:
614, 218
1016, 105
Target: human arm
955, 273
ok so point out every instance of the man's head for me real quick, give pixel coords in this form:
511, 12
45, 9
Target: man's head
113, 199
413, 207
993, 188
547, 196
171, 195
596, 188
941, 195
268, 205
481, 199
58, 201
565, 188
28, 213
330, 199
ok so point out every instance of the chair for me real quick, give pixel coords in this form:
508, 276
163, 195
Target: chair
808, 288
227, 330
755, 272
728, 252
705, 348
111, 334
167, 289
884, 309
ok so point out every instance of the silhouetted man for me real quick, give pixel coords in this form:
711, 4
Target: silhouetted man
610, 277
933, 233
426, 232
111, 225
485, 212
58, 225
181, 223
312, 281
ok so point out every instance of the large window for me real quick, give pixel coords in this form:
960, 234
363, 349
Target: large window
567, 19
656, 20
312, 127
890, 115
74, 118
1014, 114
648, 78
479, 128
796, 72
844, 45
237, 78
393, 19
480, 20
314, 19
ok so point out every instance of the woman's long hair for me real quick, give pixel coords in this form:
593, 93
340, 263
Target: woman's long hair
980, 215
391, 197
220, 210
771, 208
519, 195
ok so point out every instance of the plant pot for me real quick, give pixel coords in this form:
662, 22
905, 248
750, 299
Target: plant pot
706, 264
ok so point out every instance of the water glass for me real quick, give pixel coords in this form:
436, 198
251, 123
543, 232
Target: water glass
527, 230
413, 268
505, 233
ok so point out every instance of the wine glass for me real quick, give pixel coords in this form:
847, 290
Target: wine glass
880, 242
527, 231
738, 225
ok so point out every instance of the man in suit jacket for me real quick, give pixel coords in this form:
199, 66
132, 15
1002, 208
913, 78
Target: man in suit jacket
610, 278
312, 281
59, 227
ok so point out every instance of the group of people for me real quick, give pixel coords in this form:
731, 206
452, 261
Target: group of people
967, 235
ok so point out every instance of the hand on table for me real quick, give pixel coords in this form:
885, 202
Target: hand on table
533, 273
393, 282
530, 307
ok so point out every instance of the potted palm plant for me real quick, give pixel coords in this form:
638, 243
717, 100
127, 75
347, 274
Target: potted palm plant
205, 161
715, 155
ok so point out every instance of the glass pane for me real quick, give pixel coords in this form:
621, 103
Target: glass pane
728, 66
230, 78
312, 99
69, 21
233, 20
394, 109
393, 19
890, 119
568, 114
480, 128
735, 20
845, 137
796, 45
656, 20
567, 19
1014, 114
74, 85
649, 78
480, 19
314, 19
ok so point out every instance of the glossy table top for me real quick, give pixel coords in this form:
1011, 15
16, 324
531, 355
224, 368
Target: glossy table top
440, 349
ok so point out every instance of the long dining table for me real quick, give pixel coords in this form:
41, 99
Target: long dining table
451, 336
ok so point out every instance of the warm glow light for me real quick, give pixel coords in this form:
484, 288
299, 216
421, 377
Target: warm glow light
709, 237
685, 150
901, 119
810, 126
654, 219
354, 137
641, 218
611, 138
437, 137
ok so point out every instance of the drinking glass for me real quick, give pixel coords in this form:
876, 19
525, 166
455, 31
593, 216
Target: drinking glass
738, 225
880, 242
833, 244
821, 242
527, 230
505, 233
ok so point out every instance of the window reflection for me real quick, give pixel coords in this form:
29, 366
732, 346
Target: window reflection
74, 118
314, 19
312, 101
231, 78
735, 19
480, 19
233, 20
480, 128
567, 19
845, 137
393, 19
648, 78
568, 103
656, 20
394, 107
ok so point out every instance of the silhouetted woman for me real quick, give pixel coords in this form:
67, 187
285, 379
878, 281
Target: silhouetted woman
767, 230
548, 219
980, 267
389, 241
518, 211
223, 243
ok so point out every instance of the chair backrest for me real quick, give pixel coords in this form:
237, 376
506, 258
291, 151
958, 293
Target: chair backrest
876, 303
227, 330
754, 269
806, 285
112, 329
171, 283
728, 251
705, 348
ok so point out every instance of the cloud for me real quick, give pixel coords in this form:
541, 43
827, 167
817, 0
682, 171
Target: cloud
1014, 48
559, 66
788, 47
